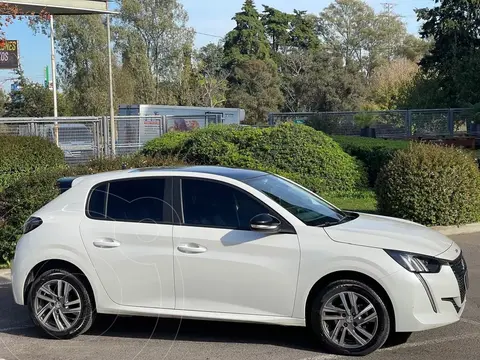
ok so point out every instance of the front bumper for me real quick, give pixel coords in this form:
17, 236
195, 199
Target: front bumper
428, 301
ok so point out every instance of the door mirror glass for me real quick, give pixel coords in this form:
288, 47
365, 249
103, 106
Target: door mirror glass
265, 223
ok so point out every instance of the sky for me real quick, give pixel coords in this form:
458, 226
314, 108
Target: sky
211, 17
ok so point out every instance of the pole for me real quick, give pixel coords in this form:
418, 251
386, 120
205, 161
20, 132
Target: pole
54, 77
112, 112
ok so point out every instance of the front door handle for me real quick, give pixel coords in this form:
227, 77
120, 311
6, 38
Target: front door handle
191, 248
106, 243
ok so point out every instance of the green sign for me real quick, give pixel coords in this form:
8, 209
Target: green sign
299, 121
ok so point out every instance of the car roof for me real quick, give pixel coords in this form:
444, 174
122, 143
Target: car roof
233, 173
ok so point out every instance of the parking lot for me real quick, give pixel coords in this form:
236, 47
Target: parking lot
143, 338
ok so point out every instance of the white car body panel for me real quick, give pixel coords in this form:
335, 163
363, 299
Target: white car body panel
243, 276
388, 233
242, 272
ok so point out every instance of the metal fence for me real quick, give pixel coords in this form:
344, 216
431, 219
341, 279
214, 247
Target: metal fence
387, 124
80, 138
84, 138
134, 131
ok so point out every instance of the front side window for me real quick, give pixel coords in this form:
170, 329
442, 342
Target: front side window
212, 204
132, 200
310, 209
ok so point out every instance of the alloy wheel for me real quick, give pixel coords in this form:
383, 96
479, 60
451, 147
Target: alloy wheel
349, 320
57, 305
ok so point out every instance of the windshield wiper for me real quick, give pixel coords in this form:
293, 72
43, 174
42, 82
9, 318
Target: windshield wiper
333, 223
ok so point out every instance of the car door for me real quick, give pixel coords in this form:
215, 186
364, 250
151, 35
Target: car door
127, 232
223, 266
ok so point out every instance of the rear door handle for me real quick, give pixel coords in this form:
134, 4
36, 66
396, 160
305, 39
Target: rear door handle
106, 243
191, 248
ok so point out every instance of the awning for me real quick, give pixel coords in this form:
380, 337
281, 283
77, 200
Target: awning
62, 7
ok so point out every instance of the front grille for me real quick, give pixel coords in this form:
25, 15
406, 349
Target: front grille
459, 267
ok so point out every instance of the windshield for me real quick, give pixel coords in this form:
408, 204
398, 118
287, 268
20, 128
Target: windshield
310, 209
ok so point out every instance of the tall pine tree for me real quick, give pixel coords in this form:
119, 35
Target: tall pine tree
247, 41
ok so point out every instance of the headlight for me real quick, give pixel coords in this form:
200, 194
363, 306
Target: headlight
417, 263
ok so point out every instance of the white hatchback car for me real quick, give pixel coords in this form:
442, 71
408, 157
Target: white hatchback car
236, 245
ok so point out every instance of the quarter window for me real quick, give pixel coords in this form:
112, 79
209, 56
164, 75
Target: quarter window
133, 200
212, 204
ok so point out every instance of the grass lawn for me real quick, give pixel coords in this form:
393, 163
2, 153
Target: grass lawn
365, 202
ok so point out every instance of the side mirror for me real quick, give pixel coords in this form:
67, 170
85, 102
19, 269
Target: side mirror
265, 223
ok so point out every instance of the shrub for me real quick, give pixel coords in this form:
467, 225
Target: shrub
374, 153
30, 192
302, 150
431, 185
19, 200
171, 143
295, 151
25, 154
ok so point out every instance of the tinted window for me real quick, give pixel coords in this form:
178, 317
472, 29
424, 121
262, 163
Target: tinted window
137, 200
311, 209
208, 203
96, 205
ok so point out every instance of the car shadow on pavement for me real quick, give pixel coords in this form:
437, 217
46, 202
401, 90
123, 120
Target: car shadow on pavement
16, 321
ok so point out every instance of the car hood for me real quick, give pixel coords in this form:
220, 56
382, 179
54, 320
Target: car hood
390, 233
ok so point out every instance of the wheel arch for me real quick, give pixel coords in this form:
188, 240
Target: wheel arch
51, 264
350, 275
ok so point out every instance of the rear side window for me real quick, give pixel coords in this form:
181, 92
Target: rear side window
133, 200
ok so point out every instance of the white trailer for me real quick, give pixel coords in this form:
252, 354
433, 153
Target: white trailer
226, 116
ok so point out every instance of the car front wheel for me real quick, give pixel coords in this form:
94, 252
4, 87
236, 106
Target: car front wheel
350, 318
60, 305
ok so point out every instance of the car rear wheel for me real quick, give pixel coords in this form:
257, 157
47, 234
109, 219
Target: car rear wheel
350, 318
60, 305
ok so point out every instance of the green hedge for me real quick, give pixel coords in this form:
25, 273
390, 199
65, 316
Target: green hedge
431, 185
374, 153
296, 151
20, 155
30, 192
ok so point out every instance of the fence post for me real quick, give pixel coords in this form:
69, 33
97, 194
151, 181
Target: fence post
106, 137
97, 126
451, 125
408, 123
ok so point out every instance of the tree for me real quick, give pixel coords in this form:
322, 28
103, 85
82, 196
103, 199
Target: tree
277, 26
83, 70
343, 25
257, 91
135, 77
391, 82
454, 26
247, 41
317, 81
303, 33
363, 38
33, 100
413, 48
212, 77
162, 27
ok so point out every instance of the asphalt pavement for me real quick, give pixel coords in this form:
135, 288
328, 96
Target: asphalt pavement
147, 338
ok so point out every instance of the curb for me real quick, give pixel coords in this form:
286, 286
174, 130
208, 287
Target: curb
5, 274
458, 230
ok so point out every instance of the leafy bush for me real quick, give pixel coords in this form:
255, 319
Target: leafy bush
431, 185
19, 200
171, 143
374, 153
25, 154
32, 191
295, 151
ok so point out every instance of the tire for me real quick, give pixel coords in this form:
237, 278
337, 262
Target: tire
323, 321
74, 312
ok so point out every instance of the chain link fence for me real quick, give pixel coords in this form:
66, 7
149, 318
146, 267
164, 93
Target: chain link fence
387, 124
